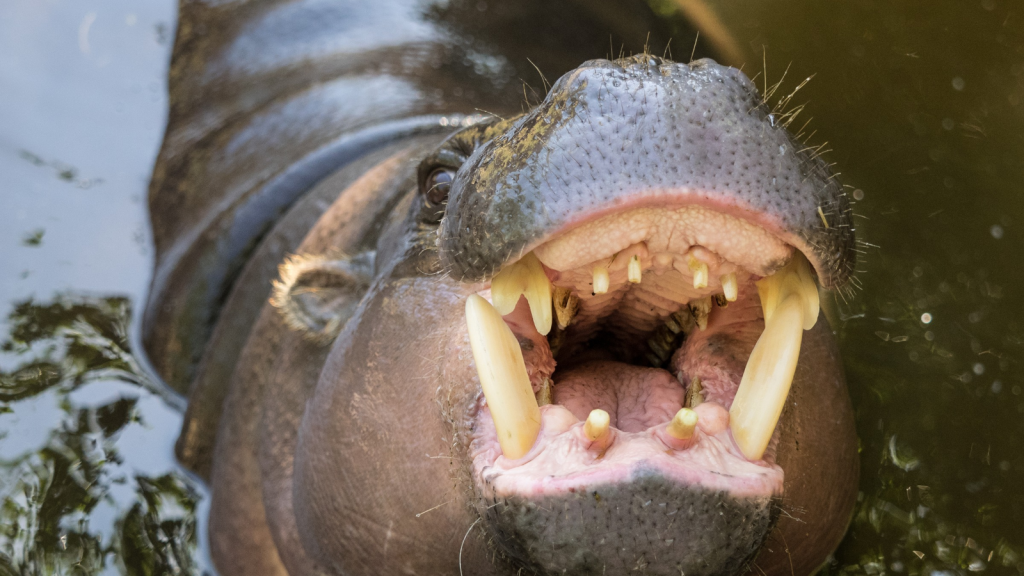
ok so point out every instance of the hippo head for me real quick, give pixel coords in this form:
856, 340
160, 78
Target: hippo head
573, 347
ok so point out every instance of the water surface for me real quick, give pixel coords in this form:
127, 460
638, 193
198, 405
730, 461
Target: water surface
88, 482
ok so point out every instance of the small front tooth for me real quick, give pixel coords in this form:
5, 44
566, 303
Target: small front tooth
700, 273
566, 305
700, 309
601, 279
634, 272
503, 378
788, 298
524, 278
683, 424
730, 287
597, 425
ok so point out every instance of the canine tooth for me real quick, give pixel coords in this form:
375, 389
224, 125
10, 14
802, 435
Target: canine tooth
700, 272
700, 310
766, 380
788, 299
566, 305
601, 280
730, 287
634, 272
794, 278
524, 278
683, 424
503, 378
597, 425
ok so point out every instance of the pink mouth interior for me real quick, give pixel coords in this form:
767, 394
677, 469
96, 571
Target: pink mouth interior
604, 361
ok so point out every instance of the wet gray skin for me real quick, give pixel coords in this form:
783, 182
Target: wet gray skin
356, 457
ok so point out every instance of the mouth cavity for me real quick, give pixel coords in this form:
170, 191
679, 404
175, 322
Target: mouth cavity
663, 338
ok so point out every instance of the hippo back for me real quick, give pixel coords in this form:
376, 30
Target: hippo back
268, 98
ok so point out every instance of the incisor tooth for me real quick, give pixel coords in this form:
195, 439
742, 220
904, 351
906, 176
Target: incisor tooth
597, 425
601, 279
634, 272
683, 424
730, 287
503, 378
524, 278
789, 300
700, 272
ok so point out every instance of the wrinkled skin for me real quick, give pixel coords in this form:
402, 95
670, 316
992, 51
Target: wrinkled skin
354, 453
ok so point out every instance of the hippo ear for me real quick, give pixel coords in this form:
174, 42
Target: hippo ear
317, 294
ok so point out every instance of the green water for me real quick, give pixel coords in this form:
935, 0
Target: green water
920, 103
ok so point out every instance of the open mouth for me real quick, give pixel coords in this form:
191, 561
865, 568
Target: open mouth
660, 339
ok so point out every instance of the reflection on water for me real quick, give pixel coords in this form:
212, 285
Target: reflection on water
73, 505
923, 104
88, 483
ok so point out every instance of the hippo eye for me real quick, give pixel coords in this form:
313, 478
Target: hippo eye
437, 186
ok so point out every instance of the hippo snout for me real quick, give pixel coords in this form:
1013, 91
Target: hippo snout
644, 132
643, 253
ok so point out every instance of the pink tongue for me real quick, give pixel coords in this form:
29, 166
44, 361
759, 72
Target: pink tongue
635, 397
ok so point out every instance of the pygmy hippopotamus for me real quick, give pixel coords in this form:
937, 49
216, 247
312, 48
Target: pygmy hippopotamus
582, 338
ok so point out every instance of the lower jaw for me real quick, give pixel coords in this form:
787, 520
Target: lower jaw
650, 524
564, 461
